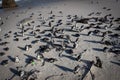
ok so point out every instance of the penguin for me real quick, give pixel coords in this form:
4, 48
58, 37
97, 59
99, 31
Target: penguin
17, 60
98, 62
76, 69
26, 47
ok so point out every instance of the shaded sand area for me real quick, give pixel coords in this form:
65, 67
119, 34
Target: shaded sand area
60, 39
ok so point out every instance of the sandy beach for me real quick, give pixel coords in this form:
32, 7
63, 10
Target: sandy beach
88, 28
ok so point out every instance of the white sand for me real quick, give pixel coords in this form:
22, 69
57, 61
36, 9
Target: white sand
109, 71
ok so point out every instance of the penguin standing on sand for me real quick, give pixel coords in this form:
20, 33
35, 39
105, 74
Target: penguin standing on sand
76, 69
98, 62
79, 57
22, 30
89, 33
75, 45
40, 58
33, 32
49, 24
17, 60
26, 47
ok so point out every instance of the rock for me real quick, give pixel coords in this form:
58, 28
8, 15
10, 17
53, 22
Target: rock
8, 4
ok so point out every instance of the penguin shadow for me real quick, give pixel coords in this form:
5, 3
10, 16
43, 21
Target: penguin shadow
29, 58
29, 34
64, 68
69, 51
15, 73
76, 35
92, 41
69, 57
34, 41
2, 53
22, 48
83, 34
116, 63
11, 58
4, 62
87, 68
98, 49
